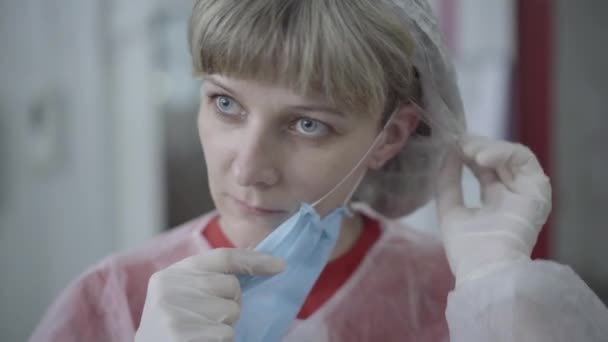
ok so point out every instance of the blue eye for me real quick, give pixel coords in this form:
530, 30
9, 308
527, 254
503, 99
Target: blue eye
227, 105
311, 127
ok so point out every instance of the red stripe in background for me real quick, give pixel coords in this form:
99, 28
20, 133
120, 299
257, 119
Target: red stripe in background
533, 90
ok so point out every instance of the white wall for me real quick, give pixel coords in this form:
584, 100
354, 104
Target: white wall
86, 180
55, 216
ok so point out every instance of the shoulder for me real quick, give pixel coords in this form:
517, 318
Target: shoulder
414, 255
128, 273
400, 242
401, 286
108, 298
135, 266
165, 248
407, 259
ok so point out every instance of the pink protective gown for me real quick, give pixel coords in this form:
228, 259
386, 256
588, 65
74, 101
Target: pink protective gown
399, 292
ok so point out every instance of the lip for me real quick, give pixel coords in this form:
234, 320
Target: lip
255, 210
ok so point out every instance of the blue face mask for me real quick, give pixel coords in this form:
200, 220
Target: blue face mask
269, 305
305, 241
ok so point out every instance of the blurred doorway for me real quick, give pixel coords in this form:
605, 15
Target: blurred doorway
186, 189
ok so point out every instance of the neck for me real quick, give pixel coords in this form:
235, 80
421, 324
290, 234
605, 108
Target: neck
351, 229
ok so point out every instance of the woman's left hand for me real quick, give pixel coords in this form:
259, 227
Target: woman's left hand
516, 201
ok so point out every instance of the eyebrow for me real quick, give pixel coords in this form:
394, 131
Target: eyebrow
215, 82
302, 108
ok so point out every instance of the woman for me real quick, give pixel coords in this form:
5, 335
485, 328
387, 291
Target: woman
302, 103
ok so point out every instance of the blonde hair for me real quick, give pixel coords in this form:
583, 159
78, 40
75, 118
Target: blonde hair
354, 53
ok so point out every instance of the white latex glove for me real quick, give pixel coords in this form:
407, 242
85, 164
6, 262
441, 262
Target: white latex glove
516, 201
197, 299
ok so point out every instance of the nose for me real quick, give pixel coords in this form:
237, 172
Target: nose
254, 164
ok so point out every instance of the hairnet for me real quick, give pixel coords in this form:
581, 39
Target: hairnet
407, 181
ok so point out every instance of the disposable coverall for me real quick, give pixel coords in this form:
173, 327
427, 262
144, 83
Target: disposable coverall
401, 291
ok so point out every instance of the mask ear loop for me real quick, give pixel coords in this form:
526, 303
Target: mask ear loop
356, 167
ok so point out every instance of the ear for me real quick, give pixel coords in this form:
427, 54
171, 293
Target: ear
396, 134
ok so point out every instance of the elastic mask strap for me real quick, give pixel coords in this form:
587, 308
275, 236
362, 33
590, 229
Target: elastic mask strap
359, 163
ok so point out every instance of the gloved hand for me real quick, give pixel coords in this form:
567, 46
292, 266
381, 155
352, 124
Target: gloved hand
516, 201
197, 299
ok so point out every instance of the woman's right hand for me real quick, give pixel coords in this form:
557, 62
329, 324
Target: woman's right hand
197, 299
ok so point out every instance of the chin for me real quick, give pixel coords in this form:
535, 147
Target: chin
252, 221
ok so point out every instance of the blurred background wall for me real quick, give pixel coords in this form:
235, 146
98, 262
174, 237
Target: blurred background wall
99, 149
57, 198
580, 145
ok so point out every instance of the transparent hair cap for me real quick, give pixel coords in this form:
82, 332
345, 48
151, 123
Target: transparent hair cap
407, 182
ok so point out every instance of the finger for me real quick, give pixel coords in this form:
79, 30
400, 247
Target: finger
496, 154
537, 187
209, 284
493, 154
514, 157
234, 261
202, 330
516, 165
221, 285
484, 175
449, 185
222, 310
186, 303
524, 159
489, 176
219, 333
472, 145
490, 186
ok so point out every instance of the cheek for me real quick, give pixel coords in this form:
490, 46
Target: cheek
215, 149
312, 174
210, 134
308, 178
